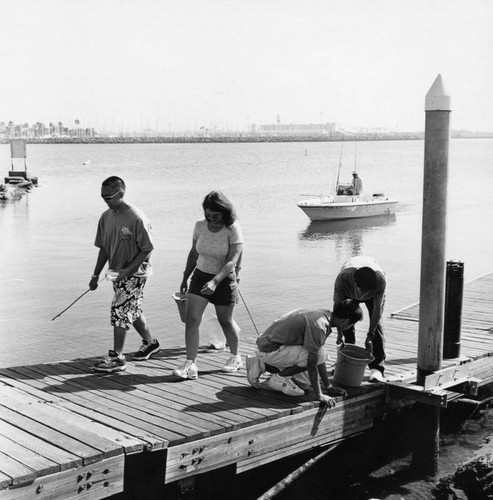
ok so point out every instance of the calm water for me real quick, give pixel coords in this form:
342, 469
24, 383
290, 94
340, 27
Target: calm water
46, 238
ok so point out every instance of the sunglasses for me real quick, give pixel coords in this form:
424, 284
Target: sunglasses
109, 197
213, 216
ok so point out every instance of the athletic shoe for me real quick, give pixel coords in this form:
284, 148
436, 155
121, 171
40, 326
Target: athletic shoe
187, 371
146, 350
112, 363
255, 367
376, 376
284, 385
233, 364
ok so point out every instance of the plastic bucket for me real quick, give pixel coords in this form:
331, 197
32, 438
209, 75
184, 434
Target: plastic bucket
181, 301
351, 364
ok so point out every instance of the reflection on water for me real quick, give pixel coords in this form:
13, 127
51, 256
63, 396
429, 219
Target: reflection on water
346, 234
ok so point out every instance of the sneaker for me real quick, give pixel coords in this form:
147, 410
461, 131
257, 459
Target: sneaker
187, 371
233, 364
255, 367
112, 363
376, 376
146, 350
284, 385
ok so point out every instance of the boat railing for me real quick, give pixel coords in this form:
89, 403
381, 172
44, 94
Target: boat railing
316, 198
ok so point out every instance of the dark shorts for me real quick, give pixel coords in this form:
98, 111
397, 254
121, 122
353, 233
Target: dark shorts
225, 294
126, 306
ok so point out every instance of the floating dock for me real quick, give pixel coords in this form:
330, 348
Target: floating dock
66, 432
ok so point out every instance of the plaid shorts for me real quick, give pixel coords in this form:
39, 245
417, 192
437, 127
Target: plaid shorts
126, 306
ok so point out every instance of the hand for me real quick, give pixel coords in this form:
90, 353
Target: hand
340, 339
369, 344
93, 284
184, 287
327, 400
209, 288
122, 274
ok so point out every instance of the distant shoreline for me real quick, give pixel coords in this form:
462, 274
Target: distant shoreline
241, 139
212, 140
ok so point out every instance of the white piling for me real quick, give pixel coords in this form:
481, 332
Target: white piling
432, 286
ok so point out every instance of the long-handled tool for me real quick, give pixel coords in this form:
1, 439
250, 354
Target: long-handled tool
248, 311
77, 299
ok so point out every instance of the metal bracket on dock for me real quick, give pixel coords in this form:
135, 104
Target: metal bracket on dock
438, 388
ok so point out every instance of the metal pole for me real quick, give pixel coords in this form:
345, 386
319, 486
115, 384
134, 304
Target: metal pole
431, 302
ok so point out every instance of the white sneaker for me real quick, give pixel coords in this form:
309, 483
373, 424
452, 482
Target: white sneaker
376, 376
284, 385
187, 371
255, 367
233, 364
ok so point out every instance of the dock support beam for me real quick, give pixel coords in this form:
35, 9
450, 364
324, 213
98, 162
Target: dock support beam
430, 336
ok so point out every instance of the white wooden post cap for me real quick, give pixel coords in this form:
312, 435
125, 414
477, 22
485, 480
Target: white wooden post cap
436, 98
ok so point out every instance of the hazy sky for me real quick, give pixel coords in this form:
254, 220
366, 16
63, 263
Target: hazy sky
174, 64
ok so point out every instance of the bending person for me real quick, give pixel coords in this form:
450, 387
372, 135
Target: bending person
363, 280
292, 348
216, 248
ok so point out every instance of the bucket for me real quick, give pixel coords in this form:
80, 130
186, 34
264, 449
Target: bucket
351, 364
181, 301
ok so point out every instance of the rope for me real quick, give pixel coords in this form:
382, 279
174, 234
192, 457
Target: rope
248, 311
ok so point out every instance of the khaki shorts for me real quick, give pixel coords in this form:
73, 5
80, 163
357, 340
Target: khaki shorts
290, 355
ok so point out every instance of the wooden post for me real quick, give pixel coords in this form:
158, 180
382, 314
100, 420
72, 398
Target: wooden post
431, 302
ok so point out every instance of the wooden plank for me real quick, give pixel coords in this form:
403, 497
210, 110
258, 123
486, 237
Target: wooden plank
86, 453
100, 480
17, 471
119, 411
116, 430
328, 440
60, 419
5, 480
194, 458
61, 457
139, 376
31, 459
128, 401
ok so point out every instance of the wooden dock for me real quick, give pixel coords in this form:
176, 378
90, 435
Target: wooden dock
66, 432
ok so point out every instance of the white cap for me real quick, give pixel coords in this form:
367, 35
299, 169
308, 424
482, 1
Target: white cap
436, 98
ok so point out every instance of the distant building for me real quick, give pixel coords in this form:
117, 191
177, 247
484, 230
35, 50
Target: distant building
297, 129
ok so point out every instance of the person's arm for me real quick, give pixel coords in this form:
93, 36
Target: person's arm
376, 314
132, 268
193, 255
231, 260
314, 371
100, 263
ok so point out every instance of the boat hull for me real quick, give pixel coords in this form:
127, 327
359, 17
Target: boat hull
354, 210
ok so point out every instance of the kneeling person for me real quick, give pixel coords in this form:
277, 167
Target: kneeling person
293, 347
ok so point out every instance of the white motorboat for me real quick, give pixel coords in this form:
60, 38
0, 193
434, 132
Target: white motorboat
348, 201
337, 207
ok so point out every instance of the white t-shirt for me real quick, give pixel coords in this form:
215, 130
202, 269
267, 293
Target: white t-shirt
213, 248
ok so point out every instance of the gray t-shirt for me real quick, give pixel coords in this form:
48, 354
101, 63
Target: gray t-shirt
306, 327
122, 235
213, 248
